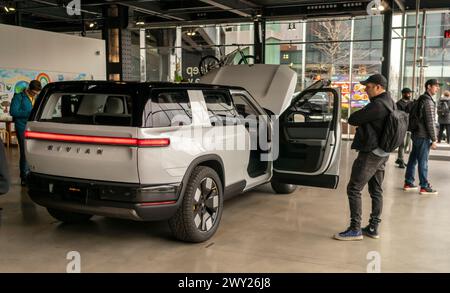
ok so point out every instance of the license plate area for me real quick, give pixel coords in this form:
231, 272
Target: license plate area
69, 192
76, 194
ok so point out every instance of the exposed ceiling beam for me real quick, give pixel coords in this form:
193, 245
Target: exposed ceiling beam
46, 14
151, 12
191, 43
205, 36
249, 3
401, 5
172, 24
225, 7
55, 4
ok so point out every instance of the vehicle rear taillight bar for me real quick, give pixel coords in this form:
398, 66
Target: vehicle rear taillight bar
103, 140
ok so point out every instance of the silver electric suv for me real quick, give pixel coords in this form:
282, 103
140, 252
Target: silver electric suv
170, 151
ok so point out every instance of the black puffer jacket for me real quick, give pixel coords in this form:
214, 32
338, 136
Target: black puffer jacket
404, 105
443, 114
370, 121
4, 175
426, 127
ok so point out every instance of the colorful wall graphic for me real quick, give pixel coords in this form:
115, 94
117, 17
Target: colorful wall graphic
359, 95
16, 80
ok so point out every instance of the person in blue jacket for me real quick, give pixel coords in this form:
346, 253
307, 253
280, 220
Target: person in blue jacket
20, 110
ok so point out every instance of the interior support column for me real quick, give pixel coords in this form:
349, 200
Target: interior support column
259, 40
116, 19
387, 40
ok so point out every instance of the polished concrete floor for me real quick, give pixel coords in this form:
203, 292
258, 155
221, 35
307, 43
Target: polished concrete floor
260, 232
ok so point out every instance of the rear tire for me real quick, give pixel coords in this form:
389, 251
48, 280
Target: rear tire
283, 188
198, 217
68, 217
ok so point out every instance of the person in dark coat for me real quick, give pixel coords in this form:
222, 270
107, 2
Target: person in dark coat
443, 111
404, 104
424, 137
368, 167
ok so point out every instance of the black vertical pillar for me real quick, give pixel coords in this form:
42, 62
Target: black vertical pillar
18, 15
259, 40
116, 19
387, 37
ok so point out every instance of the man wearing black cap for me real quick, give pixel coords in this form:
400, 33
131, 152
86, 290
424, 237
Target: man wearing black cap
424, 138
404, 104
368, 168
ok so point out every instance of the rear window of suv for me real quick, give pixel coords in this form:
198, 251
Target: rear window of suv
90, 109
167, 108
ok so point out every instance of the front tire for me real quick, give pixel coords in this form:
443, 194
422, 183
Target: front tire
198, 217
68, 217
282, 188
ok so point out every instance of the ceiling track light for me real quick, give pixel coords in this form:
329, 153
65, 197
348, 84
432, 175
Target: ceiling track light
353, 4
191, 33
8, 6
140, 21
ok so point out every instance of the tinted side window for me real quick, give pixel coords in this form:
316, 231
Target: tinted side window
167, 108
243, 107
314, 107
220, 107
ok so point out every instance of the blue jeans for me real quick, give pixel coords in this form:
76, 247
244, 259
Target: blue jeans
419, 154
23, 166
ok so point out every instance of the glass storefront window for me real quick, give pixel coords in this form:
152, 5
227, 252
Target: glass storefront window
436, 60
319, 48
284, 45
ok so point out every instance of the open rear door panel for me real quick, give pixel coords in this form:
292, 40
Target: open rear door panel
309, 140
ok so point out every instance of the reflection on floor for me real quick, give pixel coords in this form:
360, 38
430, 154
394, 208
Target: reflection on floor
259, 232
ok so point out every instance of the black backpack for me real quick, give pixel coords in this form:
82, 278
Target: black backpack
395, 128
443, 109
415, 114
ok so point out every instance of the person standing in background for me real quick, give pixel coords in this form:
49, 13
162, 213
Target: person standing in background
443, 111
404, 104
423, 137
20, 109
